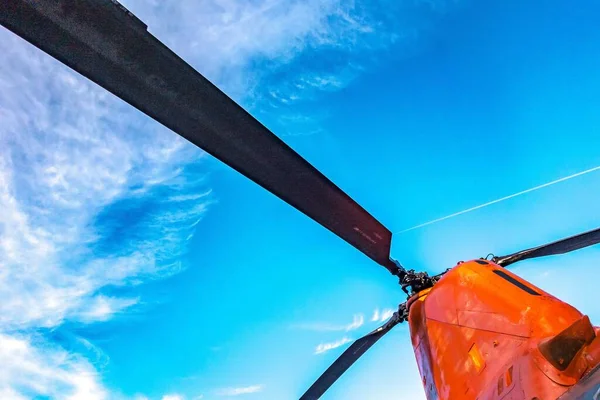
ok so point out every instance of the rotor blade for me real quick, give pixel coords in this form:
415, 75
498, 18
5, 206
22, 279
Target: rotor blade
106, 43
348, 358
559, 247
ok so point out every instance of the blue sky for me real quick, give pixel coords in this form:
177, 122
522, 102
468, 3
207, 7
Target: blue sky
134, 266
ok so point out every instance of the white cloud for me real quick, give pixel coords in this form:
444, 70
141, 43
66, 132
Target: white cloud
386, 314
74, 159
103, 308
324, 347
357, 321
190, 197
375, 315
220, 37
34, 366
319, 327
70, 155
172, 397
236, 391
383, 315
70, 152
9, 393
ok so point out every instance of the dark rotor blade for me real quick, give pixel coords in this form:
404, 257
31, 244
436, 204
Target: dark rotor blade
348, 358
559, 247
106, 43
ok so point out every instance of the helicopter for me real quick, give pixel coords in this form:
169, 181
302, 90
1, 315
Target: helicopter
478, 330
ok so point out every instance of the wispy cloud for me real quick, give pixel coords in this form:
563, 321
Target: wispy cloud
103, 308
46, 370
237, 391
69, 165
376, 315
383, 315
379, 316
74, 161
357, 321
324, 347
82, 184
172, 397
95, 196
220, 38
302, 48
71, 158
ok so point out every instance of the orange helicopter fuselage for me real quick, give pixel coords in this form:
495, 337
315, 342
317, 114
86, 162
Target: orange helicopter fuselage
484, 333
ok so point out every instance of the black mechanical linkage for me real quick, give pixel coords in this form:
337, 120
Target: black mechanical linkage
413, 282
106, 43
